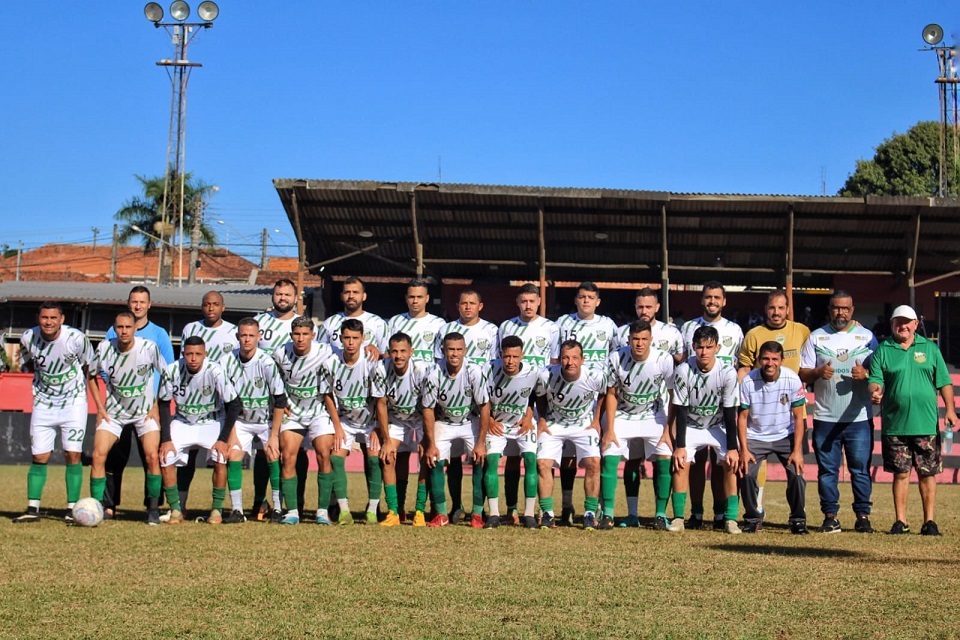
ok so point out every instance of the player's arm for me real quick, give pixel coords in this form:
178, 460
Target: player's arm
799, 431
430, 451
232, 410
526, 422
279, 412
745, 456
671, 418
542, 406
680, 437
331, 406
610, 400
731, 423
480, 446
950, 410
93, 392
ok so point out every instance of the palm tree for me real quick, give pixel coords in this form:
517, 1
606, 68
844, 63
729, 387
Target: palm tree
146, 211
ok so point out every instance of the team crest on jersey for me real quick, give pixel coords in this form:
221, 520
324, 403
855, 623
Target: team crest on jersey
919, 356
843, 354
367, 335
483, 345
860, 338
663, 345
781, 339
658, 379
727, 341
227, 347
208, 390
469, 392
428, 336
142, 369
258, 382
69, 358
784, 399
541, 342
525, 392
601, 336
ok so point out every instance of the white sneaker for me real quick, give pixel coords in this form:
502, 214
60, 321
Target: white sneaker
165, 517
676, 525
731, 526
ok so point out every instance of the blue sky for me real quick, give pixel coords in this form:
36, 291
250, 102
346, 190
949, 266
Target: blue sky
693, 97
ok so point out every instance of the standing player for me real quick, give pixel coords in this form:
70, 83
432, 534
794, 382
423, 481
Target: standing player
422, 326
257, 380
705, 405
60, 359
128, 364
510, 387
356, 385
353, 295
568, 411
207, 407
541, 341
639, 408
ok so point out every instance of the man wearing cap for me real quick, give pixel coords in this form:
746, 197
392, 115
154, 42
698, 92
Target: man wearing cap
905, 374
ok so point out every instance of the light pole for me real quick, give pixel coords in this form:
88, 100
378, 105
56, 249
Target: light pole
179, 68
947, 81
161, 243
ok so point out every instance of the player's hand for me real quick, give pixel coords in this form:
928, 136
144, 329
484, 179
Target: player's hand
733, 461
102, 417
272, 448
595, 425
373, 354
666, 439
796, 459
746, 459
166, 450
496, 428
286, 412
374, 446
338, 439
826, 371
858, 372
542, 428
431, 455
388, 452
220, 449
479, 452
679, 460
526, 424
609, 438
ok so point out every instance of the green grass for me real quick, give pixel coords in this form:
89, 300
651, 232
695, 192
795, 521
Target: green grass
124, 579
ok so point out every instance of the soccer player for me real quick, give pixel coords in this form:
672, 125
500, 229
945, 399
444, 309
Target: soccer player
60, 358
207, 408
301, 366
771, 423
356, 385
422, 326
257, 380
664, 336
510, 387
403, 386
639, 407
730, 336
128, 364
353, 295
568, 411
705, 405
541, 341
455, 408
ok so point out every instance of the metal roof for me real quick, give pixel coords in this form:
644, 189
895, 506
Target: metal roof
491, 231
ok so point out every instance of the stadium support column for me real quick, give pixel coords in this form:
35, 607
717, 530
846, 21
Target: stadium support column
912, 260
113, 253
789, 277
301, 249
417, 247
541, 241
664, 266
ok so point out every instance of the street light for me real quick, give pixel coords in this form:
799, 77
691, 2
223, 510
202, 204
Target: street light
947, 81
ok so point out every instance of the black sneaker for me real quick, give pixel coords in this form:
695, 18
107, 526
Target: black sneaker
276, 516
492, 522
530, 522
830, 525
799, 528
605, 524
234, 517
547, 521
456, 516
566, 517
719, 523
752, 527
661, 523
32, 514
153, 517
899, 528
589, 521
863, 524
695, 523
930, 528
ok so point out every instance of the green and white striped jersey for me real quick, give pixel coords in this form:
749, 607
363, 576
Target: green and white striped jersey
510, 395
705, 394
220, 340
455, 399
570, 404
374, 331
58, 380
256, 381
731, 337
274, 333
642, 385
663, 336
598, 336
424, 333
481, 339
129, 377
303, 380
403, 393
541, 339
355, 388
200, 396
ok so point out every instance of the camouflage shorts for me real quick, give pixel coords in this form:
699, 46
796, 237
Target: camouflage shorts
903, 453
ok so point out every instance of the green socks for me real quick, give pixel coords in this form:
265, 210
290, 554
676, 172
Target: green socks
421, 497
436, 488
392, 503
375, 481
680, 504
478, 488
546, 504
339, 476
491, 478
661, 485
324, 488
219, 493
234, 475
608, 482
154, 483
98, 486
590, 503
733, 508
74, 477
36, 478
274, 468
288, 486
173, 497
530, 475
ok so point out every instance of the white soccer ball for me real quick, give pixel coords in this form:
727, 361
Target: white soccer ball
88, 512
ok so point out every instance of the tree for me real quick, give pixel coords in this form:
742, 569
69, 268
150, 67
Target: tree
146, 211
906, 164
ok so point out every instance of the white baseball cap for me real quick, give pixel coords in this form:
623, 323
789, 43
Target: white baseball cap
904, 311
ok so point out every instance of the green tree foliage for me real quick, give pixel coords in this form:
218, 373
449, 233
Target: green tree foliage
145, 210
906, 164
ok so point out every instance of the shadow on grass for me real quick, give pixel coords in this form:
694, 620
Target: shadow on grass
798, 552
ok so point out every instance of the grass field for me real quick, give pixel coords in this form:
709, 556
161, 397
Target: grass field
124, 579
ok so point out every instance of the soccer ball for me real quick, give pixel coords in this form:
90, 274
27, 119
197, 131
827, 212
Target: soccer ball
88, 512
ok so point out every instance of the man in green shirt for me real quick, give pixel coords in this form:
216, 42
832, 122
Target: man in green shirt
905, 374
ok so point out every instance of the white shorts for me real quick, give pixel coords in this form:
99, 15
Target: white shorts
321, 425
447, 434
186, 436
512, 443
647, 432
714, 438
586, 443
247, 431
71, 421
356, 435
143, 425
410, 435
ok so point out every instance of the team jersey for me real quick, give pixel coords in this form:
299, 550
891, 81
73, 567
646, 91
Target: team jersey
274, 333
481, 339
455, 399
423, 331
200, 396
663, 336
791, 337
403, 392
771, 404
129, 377
374, 331
570, 404
355, 387
642, 385
303, 380
256, 381
840, 399
58, 379
510, 395
597, 336
731, 337
541, 339
219, 340
705, 394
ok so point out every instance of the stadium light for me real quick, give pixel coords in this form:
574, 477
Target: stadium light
154, 12
365, 233
179, 10
208, 11
933, 34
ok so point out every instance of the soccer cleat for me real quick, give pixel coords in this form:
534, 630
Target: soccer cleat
323, 521
930, 528
292, 517
631, 521
276, 516
215, 517
676, 525
863, 524
456, 516
153, 517
476, 521
719, 523
345, 519
439, 520
694, 523
830, 524
68, 517
235, 517
530, 522
547, 521
566, 517
371, 517
511, 519
32, 514
660, 523
263, 513
730, 526
419, 520
174, 517
899, 528
108, 514
605, 524
799, 528
752, 527
334, 511
402, 514
390, 520
492, 522
589, 521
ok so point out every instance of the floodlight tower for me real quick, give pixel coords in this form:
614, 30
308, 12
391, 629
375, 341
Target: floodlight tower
182, 34
947, 83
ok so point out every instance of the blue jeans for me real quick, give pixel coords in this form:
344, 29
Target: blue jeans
856, 439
